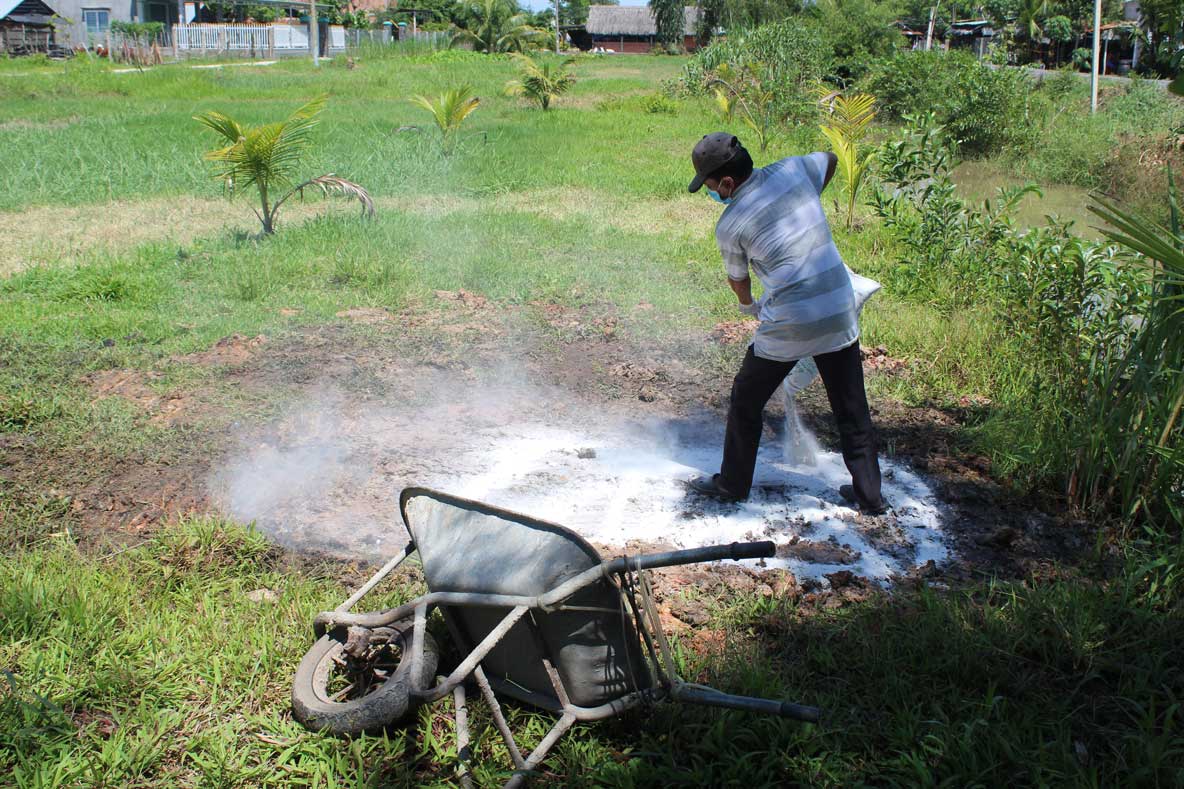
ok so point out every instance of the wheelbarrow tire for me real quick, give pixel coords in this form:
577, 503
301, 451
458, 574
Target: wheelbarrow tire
389, 704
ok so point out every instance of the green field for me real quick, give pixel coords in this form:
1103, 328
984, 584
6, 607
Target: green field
133, 656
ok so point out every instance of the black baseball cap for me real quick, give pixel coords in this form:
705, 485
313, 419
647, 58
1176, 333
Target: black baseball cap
711, 153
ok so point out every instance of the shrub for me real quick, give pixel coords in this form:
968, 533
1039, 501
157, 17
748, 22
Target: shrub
984, 109
948, 247
791, 56
1089, 332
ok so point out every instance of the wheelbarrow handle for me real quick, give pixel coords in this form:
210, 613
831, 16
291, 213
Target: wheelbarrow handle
708, 553
710, 697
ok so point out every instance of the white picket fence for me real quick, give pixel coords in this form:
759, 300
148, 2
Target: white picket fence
256, 38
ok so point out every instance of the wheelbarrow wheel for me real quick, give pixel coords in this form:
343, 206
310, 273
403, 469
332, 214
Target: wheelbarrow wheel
344, 688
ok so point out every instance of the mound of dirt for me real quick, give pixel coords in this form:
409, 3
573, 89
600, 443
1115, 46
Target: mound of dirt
229, 351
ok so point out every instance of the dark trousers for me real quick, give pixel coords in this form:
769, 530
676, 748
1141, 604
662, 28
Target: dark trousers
842, 374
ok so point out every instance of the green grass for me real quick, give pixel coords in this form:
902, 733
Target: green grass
152, 667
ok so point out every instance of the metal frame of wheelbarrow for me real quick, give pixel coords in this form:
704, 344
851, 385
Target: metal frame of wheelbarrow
628, 575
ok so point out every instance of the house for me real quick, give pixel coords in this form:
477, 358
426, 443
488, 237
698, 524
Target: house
628, 29
972, 34
25, 26
89, 20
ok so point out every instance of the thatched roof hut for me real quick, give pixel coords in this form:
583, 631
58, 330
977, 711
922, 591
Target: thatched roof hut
632, 28
622, 20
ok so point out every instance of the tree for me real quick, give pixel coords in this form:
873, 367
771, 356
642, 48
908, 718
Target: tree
858, 32
711, 13
268, 157
497, 26
746, 14
1059, 30
1164, 20
1028, 20
668, 18
541, 81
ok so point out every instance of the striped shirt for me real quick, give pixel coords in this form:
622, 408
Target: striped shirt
776, 226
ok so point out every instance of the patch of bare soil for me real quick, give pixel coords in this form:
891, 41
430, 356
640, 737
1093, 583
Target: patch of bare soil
366, 315
405, 358
734, 332
134, 386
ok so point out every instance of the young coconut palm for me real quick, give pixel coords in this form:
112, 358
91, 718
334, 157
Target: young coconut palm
746, 92
541, 81
449, 111
269, 156
497, 26
845, 122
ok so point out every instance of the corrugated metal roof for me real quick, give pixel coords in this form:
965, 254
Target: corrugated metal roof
619, 20
25, 8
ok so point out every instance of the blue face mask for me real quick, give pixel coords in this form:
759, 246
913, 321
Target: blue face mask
715, 196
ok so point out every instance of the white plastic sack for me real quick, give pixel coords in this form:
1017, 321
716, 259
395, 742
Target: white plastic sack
805, 371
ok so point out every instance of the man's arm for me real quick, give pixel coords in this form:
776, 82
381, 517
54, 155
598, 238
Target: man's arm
832, 161
742, 288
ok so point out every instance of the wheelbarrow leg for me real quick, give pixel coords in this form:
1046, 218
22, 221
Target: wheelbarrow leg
538, 754
499, 718
464, 755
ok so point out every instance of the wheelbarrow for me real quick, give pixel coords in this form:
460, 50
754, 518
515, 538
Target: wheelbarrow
535, 613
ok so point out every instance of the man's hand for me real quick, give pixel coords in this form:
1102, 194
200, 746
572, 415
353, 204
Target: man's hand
752, 309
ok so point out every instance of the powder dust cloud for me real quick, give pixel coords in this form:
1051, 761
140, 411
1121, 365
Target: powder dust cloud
326, 476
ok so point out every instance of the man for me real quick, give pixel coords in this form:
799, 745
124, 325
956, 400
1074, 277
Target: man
775, 224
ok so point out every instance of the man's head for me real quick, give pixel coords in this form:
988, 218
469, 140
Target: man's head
721, 163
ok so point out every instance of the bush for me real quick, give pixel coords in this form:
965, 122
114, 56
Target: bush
791, 55
858, 31
984, 109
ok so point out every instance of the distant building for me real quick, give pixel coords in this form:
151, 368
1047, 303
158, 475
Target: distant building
972, 34
25, 26
89, 20
628, 29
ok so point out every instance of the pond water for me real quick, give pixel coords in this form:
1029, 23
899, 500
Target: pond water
978, 180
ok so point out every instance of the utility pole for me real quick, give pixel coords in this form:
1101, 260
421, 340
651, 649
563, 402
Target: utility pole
314, 38
1093, 76
929, 33
556, 27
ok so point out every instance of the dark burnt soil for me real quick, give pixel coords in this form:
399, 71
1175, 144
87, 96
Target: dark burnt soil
119, 496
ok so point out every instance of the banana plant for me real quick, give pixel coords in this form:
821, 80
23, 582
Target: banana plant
269, 156
541, 81
845, 122
449, 111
